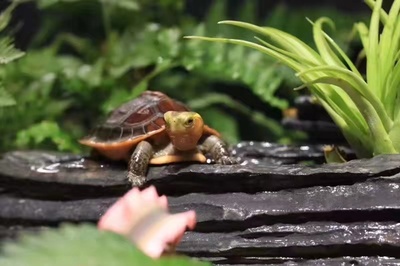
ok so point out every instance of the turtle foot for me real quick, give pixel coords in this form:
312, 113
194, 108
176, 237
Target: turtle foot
136, 180
227, 160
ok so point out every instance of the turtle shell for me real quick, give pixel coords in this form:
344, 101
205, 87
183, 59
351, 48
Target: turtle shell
131, 123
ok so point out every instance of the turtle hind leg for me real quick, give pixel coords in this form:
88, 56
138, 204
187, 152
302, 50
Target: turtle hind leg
139, 162
218, 150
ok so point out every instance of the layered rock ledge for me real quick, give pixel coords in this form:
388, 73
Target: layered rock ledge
273, 208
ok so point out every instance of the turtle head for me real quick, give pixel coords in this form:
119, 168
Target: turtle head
184, 129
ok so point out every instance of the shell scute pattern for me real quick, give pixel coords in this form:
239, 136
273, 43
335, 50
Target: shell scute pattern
136, 118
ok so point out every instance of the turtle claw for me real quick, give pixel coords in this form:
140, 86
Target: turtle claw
226, 160
136, 180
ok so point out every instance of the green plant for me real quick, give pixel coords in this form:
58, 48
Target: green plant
366, 109
81, 245
90, 56
8, 53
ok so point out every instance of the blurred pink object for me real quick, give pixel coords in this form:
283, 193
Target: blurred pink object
143, 217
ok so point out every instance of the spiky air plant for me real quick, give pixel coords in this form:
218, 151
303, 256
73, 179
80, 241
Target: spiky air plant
365, 107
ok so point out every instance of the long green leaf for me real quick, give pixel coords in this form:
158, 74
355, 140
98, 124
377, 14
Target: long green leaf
324, 50
360, 86
382, 13
382, 142
286, 40
389, 56
320, 34
341, 108
258, 47
350, 121
394, 82
373, 62
363, 32
306, 62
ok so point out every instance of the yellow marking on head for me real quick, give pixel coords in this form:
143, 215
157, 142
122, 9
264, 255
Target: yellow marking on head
181, 121
184, 129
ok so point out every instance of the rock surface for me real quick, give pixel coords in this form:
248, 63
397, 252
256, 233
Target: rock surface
375, 201
66, 176
273, 208
327, 239
309, 116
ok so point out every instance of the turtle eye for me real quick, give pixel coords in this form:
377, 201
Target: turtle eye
189, 122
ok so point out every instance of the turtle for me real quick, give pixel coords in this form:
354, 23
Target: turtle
156, 129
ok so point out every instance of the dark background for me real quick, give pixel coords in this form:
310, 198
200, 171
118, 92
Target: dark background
27, 17
199, 8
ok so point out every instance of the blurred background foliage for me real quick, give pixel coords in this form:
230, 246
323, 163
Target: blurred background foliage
89, 56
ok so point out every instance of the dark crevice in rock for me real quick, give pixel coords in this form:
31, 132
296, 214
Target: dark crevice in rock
311, 252
247, 182
32, 223
310, 240
318, 131
362, 199
32, 211
296, 218
319, 229
310, 117
54, 191
375, 201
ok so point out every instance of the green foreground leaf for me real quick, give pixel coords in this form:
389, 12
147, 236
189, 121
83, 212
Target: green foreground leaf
81, 245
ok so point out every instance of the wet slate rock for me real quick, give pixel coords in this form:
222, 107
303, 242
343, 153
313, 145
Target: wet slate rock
372, 201
68, 169
308, 108
267, 152
311, 118
369, 201
269, 210
317, 131
57, 167
273, 153
327, 239
56, 175
33, 212
298, 225
60, 175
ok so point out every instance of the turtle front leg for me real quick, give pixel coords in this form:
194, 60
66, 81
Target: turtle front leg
139, 162
218, 150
